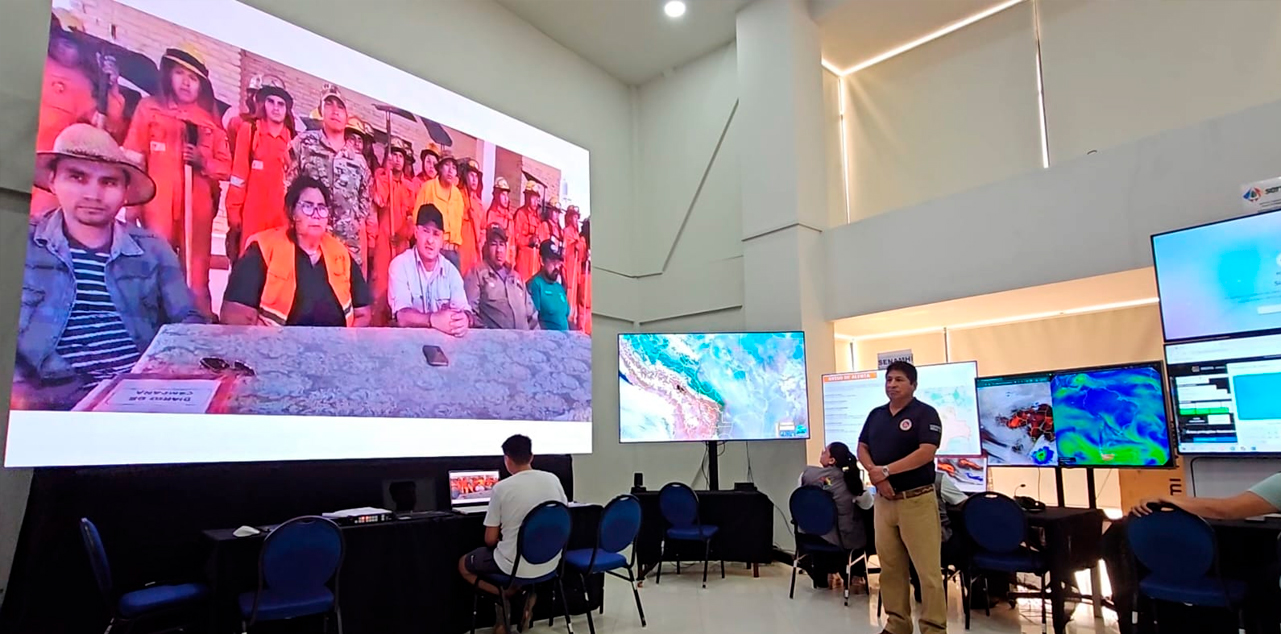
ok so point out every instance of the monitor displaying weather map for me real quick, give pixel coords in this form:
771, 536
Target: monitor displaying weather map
848, 397
1112, 417
712, 386
1016, 420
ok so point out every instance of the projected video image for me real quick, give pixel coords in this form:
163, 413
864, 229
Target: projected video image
968, 474
719, 386
1111, 417
1016, 419
251, 243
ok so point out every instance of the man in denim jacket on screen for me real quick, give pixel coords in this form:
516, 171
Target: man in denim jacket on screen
95, 291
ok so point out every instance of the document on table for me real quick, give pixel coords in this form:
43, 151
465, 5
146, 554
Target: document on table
159, 395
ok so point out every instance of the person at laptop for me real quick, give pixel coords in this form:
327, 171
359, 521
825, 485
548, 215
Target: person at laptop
511, 500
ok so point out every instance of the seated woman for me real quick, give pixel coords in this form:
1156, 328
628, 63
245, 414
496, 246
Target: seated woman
299, 275
839, 475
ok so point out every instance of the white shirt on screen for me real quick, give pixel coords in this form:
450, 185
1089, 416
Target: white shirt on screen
411, 285
513, 499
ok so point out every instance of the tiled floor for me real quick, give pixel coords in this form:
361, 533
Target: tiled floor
745, 605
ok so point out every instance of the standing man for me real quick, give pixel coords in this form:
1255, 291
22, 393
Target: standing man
500, 215
324, 155
429, 156
95, 290
393, 198
473, 224
444, 193
574, 252
897, 448
546, 290
256, 197
426, 290
525, 233
497, 296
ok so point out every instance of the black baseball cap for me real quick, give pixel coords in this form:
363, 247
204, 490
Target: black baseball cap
428, 214
547, 250
496, 234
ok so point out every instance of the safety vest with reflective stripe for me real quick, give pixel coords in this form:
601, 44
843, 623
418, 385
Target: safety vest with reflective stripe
278, 251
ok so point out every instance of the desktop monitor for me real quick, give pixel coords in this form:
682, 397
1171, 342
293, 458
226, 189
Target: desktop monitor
1111, 416
712, 386
1016, 420
848, 397
1227, 395
968, 474
1221, 278
471, 488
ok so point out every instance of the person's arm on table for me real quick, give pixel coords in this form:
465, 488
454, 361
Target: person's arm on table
1261, 499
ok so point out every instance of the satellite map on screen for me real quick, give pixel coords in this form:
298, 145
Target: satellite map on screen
718, 386
950, 389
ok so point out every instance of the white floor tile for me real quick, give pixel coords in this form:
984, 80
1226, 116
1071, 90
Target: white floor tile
744, 605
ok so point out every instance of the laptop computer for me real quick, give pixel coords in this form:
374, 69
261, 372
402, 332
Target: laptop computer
469, 491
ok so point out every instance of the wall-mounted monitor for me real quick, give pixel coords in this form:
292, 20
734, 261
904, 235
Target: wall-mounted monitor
1114, 416
968, 474
848, 397
712, 386
1227, 395
164, 317
1221, 278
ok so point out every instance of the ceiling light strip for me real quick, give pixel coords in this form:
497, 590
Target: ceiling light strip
1040, 86
924, 40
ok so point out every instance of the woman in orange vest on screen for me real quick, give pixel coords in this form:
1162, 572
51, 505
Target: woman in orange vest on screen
161, 140
300, 275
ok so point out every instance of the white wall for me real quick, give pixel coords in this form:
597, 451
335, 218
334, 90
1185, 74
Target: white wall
1088, 216
1116, 72
947, 116
509, 66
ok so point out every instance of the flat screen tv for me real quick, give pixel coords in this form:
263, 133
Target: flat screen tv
1222, 278
848, 397
162, 318
1113, 416
712, 386
1227, 395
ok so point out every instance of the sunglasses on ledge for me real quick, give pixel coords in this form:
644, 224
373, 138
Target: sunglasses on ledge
216, 364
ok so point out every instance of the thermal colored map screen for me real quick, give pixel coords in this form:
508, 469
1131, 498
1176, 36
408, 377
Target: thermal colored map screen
1111, 417
712, 386
1016, 420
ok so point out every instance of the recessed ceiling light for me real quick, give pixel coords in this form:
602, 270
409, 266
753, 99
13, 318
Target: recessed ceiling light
674, 9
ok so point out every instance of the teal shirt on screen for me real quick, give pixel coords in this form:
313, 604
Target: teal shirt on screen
551, 303
1270, 490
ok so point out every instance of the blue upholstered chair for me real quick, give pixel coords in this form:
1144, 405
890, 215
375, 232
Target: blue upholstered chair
130, 609
813, 516
544, 533
679, 506
619, 524
298, 571
998, 528
1181, 554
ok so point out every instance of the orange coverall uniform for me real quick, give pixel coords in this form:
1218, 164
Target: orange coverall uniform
158, 135
394, 198
256, 197
67, 98
473, 230
502, 218
525, 237
574, 253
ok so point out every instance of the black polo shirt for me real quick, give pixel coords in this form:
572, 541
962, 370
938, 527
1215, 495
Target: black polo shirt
314, 302
892, 437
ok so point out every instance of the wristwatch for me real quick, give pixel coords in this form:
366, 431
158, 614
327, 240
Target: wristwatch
885, 471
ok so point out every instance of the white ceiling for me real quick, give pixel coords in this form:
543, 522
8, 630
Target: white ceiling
853, 31
632, 39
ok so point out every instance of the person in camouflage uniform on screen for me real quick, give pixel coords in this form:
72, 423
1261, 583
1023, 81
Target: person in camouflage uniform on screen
323, 155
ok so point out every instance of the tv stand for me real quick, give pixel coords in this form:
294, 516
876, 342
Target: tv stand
713, 466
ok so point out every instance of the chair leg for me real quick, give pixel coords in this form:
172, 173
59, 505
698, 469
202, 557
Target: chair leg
475, 602
1043, 599
707, 553
504, 606
791, 593
662, 554
564, 605
878, 603
338, 616
722, 569
849, 572
631, 579
110, 624
587, 596
987, 598
967, 598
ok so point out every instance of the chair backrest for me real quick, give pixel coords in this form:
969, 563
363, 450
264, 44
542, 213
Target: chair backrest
302, 554
813, 510
678, 504
619, 524
1173, 543
543, 534
97, 559
995, 522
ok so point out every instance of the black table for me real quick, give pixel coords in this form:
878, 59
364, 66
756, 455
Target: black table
746, 530
398, 576
1071, 538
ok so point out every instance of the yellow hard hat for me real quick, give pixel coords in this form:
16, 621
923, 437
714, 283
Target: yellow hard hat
500, 183
189, 57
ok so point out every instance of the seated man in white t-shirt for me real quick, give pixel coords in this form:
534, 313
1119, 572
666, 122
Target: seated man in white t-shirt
1261, 499
511, 500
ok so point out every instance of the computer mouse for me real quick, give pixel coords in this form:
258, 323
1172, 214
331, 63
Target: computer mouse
246, 531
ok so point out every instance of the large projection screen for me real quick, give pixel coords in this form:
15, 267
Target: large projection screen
196, 313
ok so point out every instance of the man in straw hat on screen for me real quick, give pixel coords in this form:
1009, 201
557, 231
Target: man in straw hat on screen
95, 290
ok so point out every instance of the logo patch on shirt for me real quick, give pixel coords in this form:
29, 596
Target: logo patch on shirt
906, 425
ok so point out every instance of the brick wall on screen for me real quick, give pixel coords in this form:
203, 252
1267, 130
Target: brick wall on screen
149, 35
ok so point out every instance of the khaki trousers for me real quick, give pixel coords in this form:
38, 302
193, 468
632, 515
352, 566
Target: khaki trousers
908, 532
